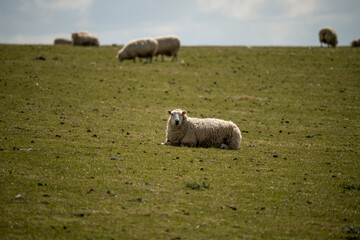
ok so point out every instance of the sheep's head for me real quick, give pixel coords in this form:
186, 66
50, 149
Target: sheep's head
74, 35
118, 56
177, 117
121, 55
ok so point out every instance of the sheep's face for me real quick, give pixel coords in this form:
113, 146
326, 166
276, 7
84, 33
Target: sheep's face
121, 55
118, 56
177, 117
74, 35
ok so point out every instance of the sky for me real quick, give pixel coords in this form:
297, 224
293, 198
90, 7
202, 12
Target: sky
196, 22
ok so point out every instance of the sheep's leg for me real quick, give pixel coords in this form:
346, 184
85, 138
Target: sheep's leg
187, 145
224, 146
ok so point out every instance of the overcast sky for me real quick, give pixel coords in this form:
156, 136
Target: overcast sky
196, 22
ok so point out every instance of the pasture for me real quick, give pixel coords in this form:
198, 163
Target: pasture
80, 159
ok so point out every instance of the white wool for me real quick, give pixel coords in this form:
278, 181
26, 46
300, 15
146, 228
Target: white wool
169, 46
328, 36
195, 132
355, 42
83, 38
62, 41
141, 48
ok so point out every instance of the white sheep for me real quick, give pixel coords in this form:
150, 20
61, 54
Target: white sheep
65, 41
169, 46
195, 132
355, 42
328, 36
83, 38
141, 48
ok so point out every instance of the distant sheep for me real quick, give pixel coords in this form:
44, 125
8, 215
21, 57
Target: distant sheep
355, 43
195, 132
59, 41
328, 36
83, 38
141, 48
169, 46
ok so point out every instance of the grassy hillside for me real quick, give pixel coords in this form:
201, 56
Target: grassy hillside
79, 152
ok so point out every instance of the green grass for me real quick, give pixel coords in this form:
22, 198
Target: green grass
80, 159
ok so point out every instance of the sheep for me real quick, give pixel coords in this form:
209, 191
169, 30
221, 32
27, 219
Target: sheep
83, 38
195, 132
169, 46
141, 48
58, 41
355, 43
328, 36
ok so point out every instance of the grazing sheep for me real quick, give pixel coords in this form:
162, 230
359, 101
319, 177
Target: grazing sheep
169, 46
355, 43
141, 48
195, 132
65, 41
328, 36
83, 38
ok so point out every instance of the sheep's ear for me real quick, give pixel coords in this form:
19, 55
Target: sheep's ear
183, 112
169, 112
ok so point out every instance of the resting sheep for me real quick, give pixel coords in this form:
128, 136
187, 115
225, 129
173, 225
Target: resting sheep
355, 43
328, 36
141, 48
195, 132
59, 41
83, 38
169, 46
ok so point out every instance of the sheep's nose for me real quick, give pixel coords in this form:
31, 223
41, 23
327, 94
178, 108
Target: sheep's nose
177, 122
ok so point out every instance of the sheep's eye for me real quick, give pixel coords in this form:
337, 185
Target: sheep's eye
172, 114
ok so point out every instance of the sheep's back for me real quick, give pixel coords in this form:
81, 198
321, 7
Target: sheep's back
168, 44
141, 47
62, 41
210, 131
328, 35
85, 39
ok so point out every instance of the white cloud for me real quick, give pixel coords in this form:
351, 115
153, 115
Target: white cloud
65, 4
250, 9
77, 9
297, 8
238, 9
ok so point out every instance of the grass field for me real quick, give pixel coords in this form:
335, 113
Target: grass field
80, 159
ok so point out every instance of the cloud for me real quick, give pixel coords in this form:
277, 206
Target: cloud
77, 10
238, 9
65, 4
296, 8
252, 9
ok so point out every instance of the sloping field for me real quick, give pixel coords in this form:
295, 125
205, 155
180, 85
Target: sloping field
80, 159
